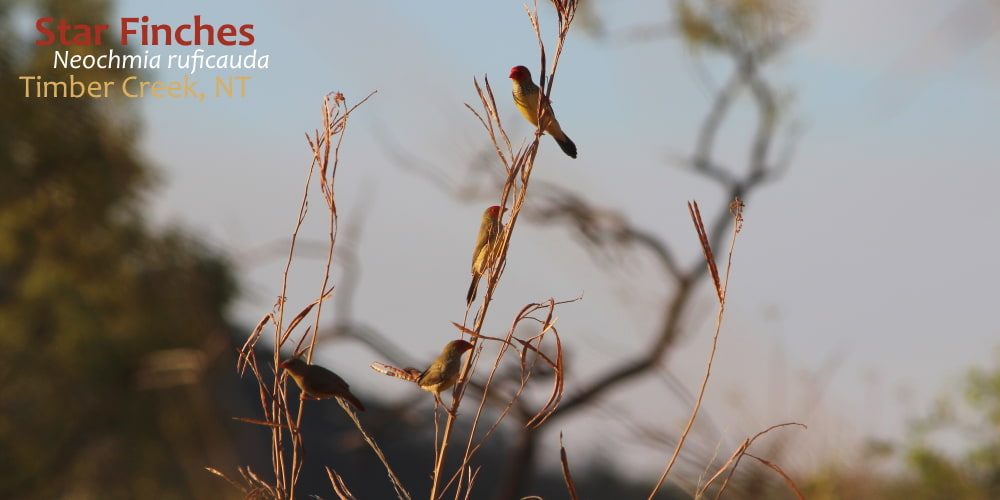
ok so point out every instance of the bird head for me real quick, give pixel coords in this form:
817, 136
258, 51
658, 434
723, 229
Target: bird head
520, 73
458, 347
494, 212
293, 364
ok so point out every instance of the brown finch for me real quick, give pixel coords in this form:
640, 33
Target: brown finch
489, 232
319, 382
526, 98
444, 371
442, 374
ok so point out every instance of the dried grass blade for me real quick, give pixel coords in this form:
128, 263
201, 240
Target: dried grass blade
776, 468
699, 226
565, 470
339, 487
261, 422
227, 478
248, 346
302, 314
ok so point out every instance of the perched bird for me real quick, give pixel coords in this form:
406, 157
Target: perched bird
319, 382
442, 374
526, 98
444, 371
489, 231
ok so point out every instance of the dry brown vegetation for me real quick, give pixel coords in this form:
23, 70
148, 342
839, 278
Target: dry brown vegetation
540, 354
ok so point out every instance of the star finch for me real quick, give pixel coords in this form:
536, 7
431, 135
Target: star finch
442, 374
444, 371
489, 231
526, 98
319, 382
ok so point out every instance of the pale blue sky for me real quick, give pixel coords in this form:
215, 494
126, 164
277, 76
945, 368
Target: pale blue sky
873, 254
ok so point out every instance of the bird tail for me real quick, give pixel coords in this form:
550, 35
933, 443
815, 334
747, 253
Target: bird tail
469, 297
351, 398
566, 145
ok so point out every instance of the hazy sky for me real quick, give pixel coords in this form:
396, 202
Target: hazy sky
863, 283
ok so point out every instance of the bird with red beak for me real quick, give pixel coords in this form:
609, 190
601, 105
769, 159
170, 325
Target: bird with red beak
526, 98
486, 242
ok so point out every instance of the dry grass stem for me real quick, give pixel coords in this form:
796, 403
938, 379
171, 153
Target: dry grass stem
527, 364
706, 247
721, 290
737, 455
261, 422
493, 117
279, 416
564, 460
339, 486
227, 478
582, 215
256, 487
518, 166
302, 314
246, 352
396, 483
776, 468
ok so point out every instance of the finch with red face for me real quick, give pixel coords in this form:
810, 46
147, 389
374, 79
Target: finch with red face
319, 382
526, 98
489, 232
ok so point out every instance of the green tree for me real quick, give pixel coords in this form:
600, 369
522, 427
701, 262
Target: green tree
951, 452
974, 419
102, 319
